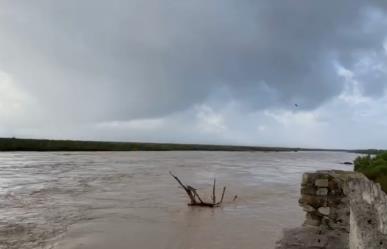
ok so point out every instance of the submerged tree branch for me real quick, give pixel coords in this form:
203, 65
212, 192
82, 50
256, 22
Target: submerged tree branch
194, 197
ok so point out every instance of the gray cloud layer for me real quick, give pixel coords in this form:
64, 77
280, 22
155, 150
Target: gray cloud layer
100, 60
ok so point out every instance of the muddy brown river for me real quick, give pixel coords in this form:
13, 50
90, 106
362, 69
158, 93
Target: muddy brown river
122, 200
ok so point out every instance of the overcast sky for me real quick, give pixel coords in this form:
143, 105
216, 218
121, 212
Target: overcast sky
305, 73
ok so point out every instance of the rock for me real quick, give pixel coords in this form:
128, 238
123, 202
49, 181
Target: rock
322, 191
322, 183
312, 220
312, 200
308, 208
334, 186
324, 210
307, 190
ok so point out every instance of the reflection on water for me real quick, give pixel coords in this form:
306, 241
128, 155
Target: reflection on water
123, 200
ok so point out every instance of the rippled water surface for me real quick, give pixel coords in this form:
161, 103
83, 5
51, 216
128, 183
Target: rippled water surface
128, 200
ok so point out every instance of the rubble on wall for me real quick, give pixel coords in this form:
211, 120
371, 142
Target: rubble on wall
344, 210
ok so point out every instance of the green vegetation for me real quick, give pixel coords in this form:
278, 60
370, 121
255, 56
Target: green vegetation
374, 167
14, 144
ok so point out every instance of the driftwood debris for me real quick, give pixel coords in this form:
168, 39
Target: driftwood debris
195, 198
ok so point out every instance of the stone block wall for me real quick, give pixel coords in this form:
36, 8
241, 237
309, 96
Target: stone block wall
344, 210
324, 201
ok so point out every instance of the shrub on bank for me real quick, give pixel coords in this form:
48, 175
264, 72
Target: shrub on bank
375, 168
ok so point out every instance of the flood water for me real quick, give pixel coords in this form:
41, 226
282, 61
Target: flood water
122, 200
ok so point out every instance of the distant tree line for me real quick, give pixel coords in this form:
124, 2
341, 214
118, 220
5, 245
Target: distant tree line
15, 144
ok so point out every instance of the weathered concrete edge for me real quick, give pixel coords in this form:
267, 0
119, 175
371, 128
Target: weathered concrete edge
343, 210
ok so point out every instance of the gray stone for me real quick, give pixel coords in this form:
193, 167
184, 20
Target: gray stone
322, 183
307, 190
313, 200
324, 210
312, 222
308, 208
322, 191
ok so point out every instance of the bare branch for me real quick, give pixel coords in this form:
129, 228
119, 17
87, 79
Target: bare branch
196, 200
214, 192
197, 195
188, 190
224, 191
178, 180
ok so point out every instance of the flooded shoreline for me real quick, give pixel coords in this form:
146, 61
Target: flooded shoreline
76, 200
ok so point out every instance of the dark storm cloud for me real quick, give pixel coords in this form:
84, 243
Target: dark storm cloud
119, 60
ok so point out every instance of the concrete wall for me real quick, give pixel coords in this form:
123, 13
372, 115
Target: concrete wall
344, 210
368, 220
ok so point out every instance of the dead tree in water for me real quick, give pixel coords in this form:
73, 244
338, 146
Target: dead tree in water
195, 198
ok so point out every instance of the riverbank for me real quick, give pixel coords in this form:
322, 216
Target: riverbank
16, 144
